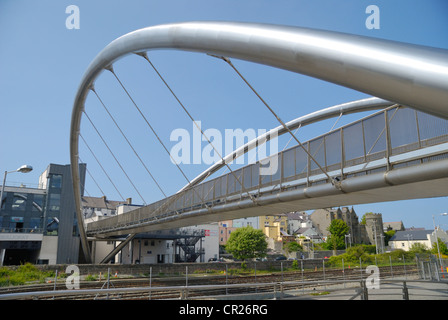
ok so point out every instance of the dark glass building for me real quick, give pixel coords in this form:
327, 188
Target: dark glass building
39, 225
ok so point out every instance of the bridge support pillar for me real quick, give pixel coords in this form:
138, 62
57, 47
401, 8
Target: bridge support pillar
118, 248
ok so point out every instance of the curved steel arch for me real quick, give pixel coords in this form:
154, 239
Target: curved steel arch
411, 75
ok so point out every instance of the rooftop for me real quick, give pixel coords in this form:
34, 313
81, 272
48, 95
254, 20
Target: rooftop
411, 235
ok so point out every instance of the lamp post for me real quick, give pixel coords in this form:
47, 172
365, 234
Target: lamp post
437, 239
23, 169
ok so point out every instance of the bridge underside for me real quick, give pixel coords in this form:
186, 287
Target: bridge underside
316, 197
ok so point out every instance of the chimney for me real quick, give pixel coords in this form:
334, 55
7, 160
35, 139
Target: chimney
129, 201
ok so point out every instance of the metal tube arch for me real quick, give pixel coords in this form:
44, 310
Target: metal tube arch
411, 75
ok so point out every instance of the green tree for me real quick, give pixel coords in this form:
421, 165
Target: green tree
292, 247
418, 248
442, 247
247, 243
363, 219
338, 229
387, 236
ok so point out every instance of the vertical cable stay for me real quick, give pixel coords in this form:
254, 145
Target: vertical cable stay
102, 168
91, 176
147, 122
110, 68
113, 155
145, 56
127, 140
227, 60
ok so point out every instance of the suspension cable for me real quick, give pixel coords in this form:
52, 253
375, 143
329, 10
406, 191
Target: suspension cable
113, 155
127, 140
110, 68
227, 60
91, 176
99, 163
145, 56
147, 122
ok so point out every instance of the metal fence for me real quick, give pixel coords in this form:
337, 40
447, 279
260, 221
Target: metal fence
392, 138
405, 282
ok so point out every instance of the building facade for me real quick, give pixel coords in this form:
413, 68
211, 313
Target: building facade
370, 232
225, 230
228, 226
405, 239
39, 225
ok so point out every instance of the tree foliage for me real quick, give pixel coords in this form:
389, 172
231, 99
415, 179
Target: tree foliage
247, 243
292, 247
363, 219
442, 247
338, 229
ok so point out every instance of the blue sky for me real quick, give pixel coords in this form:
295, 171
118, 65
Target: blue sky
42, 62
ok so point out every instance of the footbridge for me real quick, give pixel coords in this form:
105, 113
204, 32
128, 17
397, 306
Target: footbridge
400, 152
395, 154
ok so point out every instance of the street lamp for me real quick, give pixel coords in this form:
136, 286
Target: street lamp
437, 239
23, 169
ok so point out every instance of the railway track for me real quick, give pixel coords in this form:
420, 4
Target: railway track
229, 284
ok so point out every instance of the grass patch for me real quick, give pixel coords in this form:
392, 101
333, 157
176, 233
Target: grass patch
323, 293
24, 274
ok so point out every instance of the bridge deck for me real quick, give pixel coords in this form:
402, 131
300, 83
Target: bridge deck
395, 154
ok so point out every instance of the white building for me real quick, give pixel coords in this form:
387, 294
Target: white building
245, 222
190, 244
406, 239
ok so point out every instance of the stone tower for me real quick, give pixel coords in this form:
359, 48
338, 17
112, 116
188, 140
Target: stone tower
374, 230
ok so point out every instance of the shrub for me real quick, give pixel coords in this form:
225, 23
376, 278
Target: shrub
295, 265
91, 277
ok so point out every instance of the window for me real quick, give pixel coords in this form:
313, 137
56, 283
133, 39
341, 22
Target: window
19, 202
56, 181
54, 202
52, 225
38, 202
34, 223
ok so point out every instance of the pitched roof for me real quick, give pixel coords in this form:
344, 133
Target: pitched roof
100, 203
394, 225
411, 235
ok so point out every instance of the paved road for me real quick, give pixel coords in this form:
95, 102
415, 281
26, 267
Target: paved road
417, 290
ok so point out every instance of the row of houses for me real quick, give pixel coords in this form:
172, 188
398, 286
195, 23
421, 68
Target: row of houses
309, 228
